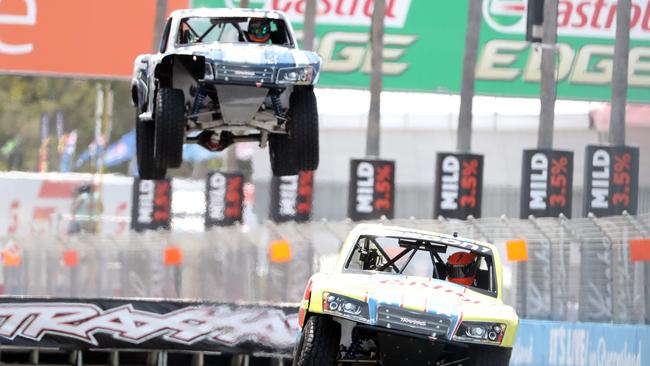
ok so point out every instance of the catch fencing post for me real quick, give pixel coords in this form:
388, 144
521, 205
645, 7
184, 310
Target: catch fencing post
464, 138
620, 73
549, 76
376, 79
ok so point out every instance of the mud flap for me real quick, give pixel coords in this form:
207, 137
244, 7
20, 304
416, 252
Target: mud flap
395, 350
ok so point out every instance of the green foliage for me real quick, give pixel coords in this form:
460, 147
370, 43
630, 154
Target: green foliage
24, 98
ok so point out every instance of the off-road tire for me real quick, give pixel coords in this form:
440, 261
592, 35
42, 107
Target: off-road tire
283, 155
148, 166
490, 356
319, 342
170, 127
303, 126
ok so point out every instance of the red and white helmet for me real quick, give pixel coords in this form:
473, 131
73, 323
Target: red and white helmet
461, 268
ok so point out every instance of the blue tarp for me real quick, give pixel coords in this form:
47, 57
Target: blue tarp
581, 344
120, 151
124, 150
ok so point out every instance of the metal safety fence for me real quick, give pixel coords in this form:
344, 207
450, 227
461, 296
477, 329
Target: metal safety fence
577, 269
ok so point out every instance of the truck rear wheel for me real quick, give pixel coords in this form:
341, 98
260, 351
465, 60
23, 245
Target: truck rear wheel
319, 342
303, 127
170, 127
148, 166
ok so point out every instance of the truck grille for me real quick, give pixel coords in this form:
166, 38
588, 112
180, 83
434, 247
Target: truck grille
238, 74
412, 321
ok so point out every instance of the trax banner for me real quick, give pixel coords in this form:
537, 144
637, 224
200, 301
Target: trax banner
507, 64
224, 197
148, 325
372, 189
45, 36
459, 185
151, 204
292, 197
546, 183
611, 183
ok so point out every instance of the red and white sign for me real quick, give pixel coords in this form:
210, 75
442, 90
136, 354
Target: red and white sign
76, 37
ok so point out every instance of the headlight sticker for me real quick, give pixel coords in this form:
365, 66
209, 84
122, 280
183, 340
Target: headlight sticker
345, 307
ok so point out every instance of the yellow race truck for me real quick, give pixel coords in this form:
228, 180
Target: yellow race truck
392, 300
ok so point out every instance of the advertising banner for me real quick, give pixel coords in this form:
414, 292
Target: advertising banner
372, 189
292, 197
459, 185
546, 183
76, 37
424, 46
224, 196
580, 344
148, 324
151, 204
611, 183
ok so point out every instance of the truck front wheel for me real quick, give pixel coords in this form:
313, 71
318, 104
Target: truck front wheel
319, 342
303, 127
170, 127
283, 155
148, 166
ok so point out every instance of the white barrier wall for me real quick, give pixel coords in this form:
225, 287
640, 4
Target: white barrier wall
40, 204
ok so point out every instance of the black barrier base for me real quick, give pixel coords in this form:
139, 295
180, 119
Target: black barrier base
45, 356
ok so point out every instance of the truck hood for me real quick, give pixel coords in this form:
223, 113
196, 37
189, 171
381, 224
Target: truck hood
251, 54
409, 292
421, 298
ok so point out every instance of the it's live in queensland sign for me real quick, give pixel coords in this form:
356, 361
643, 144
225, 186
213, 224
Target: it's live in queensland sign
459, 185
611, 183
372, 189
546, 183
424, 45
152, 204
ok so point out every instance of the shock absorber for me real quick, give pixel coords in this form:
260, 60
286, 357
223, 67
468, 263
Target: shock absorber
277, 105
198, 101
354, 347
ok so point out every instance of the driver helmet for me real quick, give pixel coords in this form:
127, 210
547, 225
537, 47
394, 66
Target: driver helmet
461, 268
259, 30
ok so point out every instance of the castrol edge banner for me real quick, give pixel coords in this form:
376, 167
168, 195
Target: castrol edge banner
507, 64
151, 204
459, 185
611, 183
546, 183
224, 197
292, 197
372, 189
90, 38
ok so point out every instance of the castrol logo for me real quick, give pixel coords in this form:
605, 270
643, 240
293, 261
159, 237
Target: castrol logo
335, 12
505, 16
576, 18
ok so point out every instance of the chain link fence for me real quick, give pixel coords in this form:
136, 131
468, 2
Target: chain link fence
578, 269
